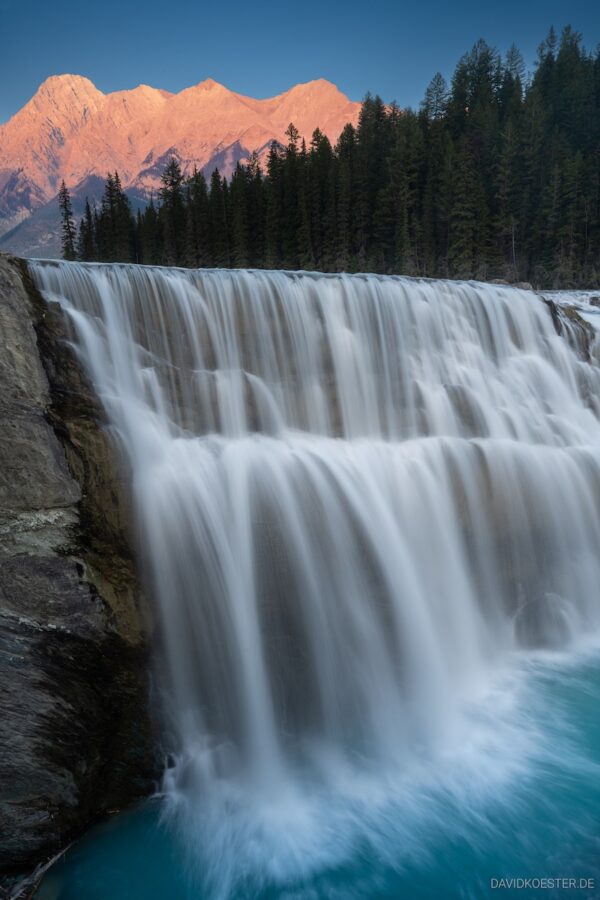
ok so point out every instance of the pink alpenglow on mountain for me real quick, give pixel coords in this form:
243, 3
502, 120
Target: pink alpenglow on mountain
70, 130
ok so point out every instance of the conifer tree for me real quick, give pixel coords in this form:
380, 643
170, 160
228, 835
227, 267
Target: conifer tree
239, 217
256, 213
114, 226
172, 215
274, 215
197, 240
344, 246
69, 231
86, 249
218, 219
150, 236
320, 188
305, 257
463, 215
436, 97
123, 224
373, 144
292, 213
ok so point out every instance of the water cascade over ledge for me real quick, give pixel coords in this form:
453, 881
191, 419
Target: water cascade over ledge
357, 497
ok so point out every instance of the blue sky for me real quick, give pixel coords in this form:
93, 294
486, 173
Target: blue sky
262, 48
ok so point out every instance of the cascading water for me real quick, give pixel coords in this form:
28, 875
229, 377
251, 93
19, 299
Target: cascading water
357, 497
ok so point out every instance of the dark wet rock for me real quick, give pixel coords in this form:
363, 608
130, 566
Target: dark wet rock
75, 733
569, 323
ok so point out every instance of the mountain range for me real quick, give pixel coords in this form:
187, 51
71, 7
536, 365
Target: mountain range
71, 130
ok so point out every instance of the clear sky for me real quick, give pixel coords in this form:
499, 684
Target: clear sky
262, 48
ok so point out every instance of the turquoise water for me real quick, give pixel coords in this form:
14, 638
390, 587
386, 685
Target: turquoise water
513, 791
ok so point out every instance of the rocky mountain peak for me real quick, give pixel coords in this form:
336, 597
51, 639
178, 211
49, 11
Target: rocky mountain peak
71, 130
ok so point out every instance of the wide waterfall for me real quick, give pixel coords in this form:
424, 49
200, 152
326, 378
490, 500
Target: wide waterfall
358, 499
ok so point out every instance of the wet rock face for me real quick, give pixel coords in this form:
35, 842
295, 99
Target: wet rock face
568, 322
75, 731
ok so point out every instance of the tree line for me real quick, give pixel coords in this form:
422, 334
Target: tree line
497, 175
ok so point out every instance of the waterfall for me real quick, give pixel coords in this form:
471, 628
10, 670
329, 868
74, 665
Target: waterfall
356, 496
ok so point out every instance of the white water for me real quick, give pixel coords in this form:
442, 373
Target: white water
587, 304
357, 497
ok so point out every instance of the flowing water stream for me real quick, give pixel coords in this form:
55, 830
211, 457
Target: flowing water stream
369, 518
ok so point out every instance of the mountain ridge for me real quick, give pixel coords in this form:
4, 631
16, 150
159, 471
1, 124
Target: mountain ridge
70, 130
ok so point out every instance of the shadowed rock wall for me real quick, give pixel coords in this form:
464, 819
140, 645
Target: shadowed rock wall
75, 731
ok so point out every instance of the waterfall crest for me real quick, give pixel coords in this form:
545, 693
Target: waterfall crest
355, 494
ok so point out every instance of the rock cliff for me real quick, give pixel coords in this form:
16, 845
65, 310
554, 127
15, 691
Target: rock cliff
75, 732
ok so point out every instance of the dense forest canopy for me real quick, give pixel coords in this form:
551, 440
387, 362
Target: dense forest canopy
496, 176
